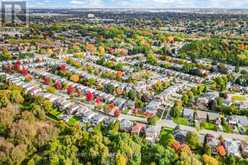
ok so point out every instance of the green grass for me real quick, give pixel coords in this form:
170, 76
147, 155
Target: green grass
55, 113
125, 111
167, 130
238, 98
226, 128
181, 121
51, 116
209, 126
73, 121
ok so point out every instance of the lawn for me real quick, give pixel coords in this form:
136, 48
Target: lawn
209, 126
125, 111
166, 131
73, 121
236, 98
181, 121
226, 128
55, 113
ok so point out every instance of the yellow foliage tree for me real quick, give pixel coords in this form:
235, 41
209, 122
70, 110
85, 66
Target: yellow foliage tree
101, 50
208, 160
91, 48
74, 78
121, 159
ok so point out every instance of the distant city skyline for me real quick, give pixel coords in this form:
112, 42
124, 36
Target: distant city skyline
226, 4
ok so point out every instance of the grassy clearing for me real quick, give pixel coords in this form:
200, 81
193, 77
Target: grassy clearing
73, 121
181, 121
236, 98
209, 126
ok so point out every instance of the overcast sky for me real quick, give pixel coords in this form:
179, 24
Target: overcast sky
139, 3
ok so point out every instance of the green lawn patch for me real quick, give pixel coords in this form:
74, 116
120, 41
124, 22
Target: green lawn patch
181, 121
227, 128
55, 113
125, 111
166, 130
209, 126
73, 121
238, 98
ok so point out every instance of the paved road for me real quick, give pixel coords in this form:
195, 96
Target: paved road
133, 118
171, 124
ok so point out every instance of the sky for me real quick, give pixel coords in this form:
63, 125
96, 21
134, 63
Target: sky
237, 4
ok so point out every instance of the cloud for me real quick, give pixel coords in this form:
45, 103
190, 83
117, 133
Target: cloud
87, 3
143, 3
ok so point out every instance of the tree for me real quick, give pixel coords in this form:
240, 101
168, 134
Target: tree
152, 59
158, 154
91, 48
185, 99
158, 86
124, 144
153, 120
132, 94
89, 96
120, 159
118, 67
166, 139
62, 68
95, 150
193, 140
4, 101
46, 80
139, 103
45, 134
117, 113
70, 90
98, 101
91, 82
6, 148
109, 88
28, 117
6, 55
22, 132
209, 160
18, 65
177, 109
101, 50
119, 74
7, 116
18, 154
38, 112
24, 72
188, 67
187, 159
51, 90
16, 97
231, 160
74, 78
58, 85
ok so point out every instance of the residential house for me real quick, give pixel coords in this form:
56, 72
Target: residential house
244, 149
212, 142
97, 119
232, 147
180, 135
125, 125
188, 113
138, 128
152, 133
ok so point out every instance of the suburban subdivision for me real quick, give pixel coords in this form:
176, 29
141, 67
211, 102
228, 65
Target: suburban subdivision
119, 87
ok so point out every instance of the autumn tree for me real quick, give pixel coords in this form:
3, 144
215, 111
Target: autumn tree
193, 140
209, 160
22, 132
74, 78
